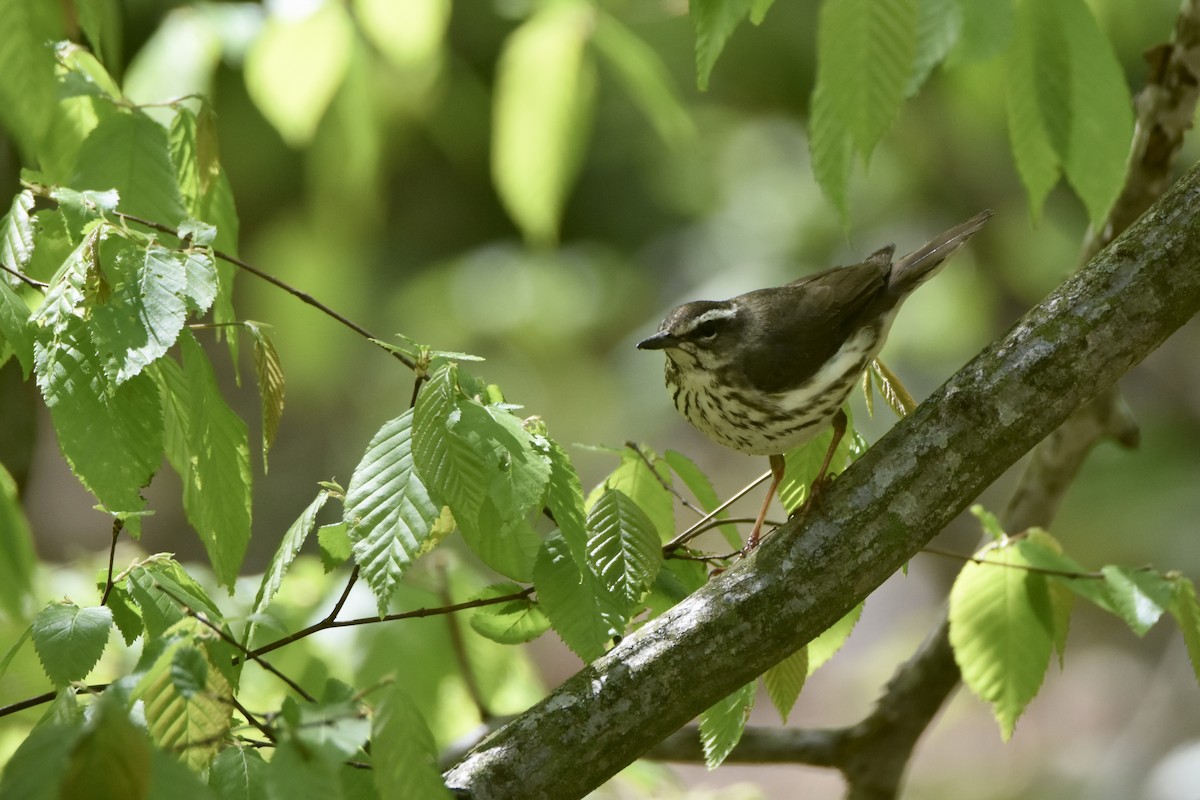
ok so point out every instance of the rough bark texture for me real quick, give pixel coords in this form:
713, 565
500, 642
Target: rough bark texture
874, 518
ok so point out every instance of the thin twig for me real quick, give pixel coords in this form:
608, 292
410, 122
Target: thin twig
700, 526
460, 650
118, 525
46, 697
225, 637
1058, 573
662, 481
28, 281
252, 719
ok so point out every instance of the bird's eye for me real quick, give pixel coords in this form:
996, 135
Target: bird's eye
707, 330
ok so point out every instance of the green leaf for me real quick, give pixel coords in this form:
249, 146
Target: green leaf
715, 21
403, 750
16, 236
28, 93
635, 479
16, 543
101, 23
296, 771
866, 51
289, 548
722, 725
146, 585
207, 445
582, 611
784, 681
1186, 610
296, 65
514, 622
336, 724
1002, 632
14, 649
543, 101
830, 146
334, 542
111, 761
111, 436
35, 770
410, 35
69, 640
125, 614
646, 78
564, 499
623, 549
388, 512
891, 389
939, 23
15, 328
989, 522
759, 9
129, 152
191, 719
825, 646
1041, 550
481, 462
987, 28
1140, 596
269, 371
238, 773
141, 318
801, 464
698, 484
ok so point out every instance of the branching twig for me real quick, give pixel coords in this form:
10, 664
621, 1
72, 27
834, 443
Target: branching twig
118, 526
661, 481
28, 281
702, 525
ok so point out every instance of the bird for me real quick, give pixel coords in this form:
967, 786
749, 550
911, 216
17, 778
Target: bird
770, 369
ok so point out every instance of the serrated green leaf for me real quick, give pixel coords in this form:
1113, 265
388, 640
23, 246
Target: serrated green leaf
63, 302
939, 23
125, 614
403, 750
289, 548
129, 152
646, 78
543, 100
69, 640
194, 723
784, 681
582, 611
161, 610
189, 671
16, 236
269, 371
891, 389
16, 543
1186, 610
714, 21
158, 611
722, 725
335, 545
1002, 632
140, 319
389, 513
207, 444
830, 146
14, 649
295, 67
698, 484
635, 479
111, 761
514, 622
297, 771
482, 463
623, 549
564, 499
866, 51
1140, 596
238, 773
28, 95
1042, 551
81, 73
112, 437
826, 646
15, 327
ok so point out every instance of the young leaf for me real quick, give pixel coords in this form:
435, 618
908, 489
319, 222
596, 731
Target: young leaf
289, 548
564, 499
623, 549
635, 479
698, 484
189, 671
514, 622
1002, 632
1044, 552
403, 750
28, 95
1186, 611
389, 514
269, 371
125, 614
16, 236
939, 23
802, 463
891, 389
582, 611
542, 108
69, 640
129, 152
15, 328
238, 773
722, 725
111, 761
830, 145
1140, 596
825, 646
784, 681
715, 21
16, 543
989, 522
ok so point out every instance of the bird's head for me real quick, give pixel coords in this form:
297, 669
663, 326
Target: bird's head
704, 333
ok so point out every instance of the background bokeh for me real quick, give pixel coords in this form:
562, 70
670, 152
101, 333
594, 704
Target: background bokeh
389, 215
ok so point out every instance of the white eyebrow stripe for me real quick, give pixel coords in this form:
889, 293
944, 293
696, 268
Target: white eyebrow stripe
711, 315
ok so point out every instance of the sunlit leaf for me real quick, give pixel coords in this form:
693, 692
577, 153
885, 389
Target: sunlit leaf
27, 94
16, 236
722, 725
826, 646
403, 750
938, 25
513, 622
289, 548
784, 681
623, 548
269, 371
15, 328
238, 773
715, 21
1140, 596
69, 640
1186, 611
16, 543
564, 499
646, 487
581, 609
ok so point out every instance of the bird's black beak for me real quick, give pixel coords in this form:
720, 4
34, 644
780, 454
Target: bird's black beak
659, 341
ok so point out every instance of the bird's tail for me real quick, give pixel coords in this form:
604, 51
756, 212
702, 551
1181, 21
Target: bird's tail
912, 270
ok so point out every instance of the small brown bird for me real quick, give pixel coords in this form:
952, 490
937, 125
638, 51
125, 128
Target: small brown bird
766, 371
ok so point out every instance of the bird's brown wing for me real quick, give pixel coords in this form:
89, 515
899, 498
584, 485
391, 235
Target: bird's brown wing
809, 320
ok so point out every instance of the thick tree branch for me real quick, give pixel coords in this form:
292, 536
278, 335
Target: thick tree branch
882, 510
